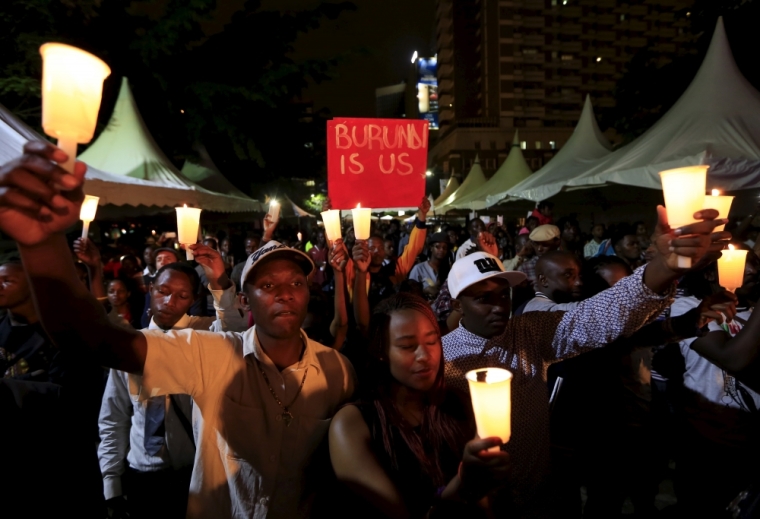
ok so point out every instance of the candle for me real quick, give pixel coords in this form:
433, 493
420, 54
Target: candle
87, 213
722, 204
684, 193
72, 87
331, 220
491, 394
274, 210
300, 237
362, 221
731, 268
188, 222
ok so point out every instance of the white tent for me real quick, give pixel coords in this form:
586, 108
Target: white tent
288, 208
127, 149
585, 145
112, 189
716, 121
452, 186
511, 172
475, 178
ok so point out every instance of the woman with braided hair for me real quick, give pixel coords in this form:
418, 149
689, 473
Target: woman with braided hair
402, 449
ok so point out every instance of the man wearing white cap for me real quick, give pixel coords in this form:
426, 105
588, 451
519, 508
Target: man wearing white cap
528, 344
265, 397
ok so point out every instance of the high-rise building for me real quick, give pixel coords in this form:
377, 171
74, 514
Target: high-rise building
390, 101
527, 65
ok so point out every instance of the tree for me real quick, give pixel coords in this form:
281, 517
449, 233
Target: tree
236, 90
652, 83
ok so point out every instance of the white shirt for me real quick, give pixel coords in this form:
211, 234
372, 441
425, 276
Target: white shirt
462, 251
122, 417
248, 463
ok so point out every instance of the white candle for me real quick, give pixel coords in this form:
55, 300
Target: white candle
188, 222
684, 193
731, 268
362, 222
331, 220
72, 87
720, 203
87, 213
274, 210
491, 394
300, 237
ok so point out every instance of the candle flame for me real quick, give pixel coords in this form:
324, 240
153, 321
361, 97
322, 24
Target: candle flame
731, 247
184, 205
358, 206
715, 192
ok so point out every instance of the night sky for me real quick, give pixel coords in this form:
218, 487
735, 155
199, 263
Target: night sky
381, 35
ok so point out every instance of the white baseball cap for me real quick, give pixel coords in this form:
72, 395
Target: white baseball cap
476, 267
271, 248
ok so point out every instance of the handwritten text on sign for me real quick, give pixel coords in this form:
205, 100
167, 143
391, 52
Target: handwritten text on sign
379, 163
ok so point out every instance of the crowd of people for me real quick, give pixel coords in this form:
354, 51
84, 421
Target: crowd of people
327, 379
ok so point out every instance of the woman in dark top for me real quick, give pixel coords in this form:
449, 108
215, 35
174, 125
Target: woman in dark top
402, 450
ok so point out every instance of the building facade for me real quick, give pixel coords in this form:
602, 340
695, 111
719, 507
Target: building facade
527, 66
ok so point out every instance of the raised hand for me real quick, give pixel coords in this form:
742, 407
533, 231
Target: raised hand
269, 228
423, 209
337, 256
487, 243
213, 265
361, 256
87, 252
326, 204
696, 241
38, 198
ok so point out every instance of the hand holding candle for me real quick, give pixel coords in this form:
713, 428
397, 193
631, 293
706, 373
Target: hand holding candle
362, 222
491, 394
87, 213
188, 222
331, 219
731, 268
72, 87
684, 193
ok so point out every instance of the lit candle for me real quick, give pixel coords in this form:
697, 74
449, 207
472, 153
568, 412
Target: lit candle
362, 221
491, 394
188, 222
731, 268
274, 210
331, 220
72, 87
684, 193
722, 204
300, 237
87, 213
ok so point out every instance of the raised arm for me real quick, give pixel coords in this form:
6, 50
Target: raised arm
632, 302
222, 289
38, 202
734, 354
338, 258
406, 261
361, 298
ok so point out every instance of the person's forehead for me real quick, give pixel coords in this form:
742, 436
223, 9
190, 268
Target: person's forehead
174, 277
275, 266
547, 243
165, 253
11, 269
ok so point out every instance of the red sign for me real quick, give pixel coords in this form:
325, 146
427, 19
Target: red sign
378, 163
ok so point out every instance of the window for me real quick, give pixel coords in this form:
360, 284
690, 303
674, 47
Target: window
554, 54
530, 51
524, 145
622, 17
506, 31
567, 57
553, 145
538, 145
493, 145
477, 145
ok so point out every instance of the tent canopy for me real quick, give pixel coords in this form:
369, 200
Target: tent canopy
127, 149
586, 144
288, 208
451, 186
511, 172
112, 189
716, 121
475, 179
